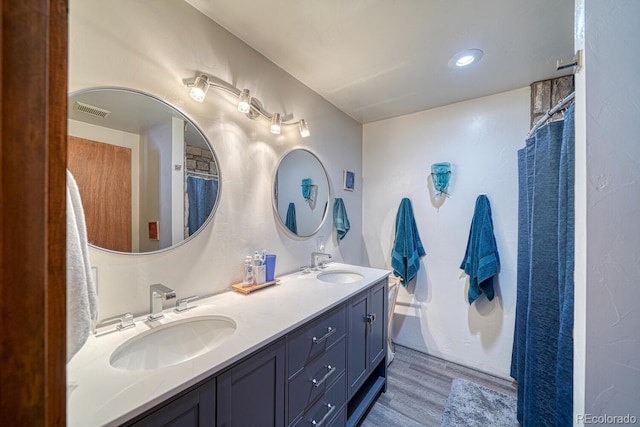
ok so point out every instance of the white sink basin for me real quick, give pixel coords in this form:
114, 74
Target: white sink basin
173, 343
340, 276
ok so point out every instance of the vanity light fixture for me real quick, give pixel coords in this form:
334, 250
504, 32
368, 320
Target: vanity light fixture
199, 88
276, 124
244, 106
247, 104
303, 127
465, 58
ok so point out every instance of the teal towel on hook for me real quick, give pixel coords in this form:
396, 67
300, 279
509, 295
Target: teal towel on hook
407, 246
481, 261
340, 218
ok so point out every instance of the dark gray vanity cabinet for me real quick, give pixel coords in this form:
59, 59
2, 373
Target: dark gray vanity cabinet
327, 372
252, 393
367, 349
195, 408
316, 363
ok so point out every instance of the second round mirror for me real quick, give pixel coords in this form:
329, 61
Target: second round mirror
301, 193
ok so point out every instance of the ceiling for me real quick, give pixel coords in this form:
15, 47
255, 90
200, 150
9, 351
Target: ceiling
127, 111
376, 59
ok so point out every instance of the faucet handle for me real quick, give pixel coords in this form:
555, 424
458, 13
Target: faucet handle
305, 269
126, 322
183, 304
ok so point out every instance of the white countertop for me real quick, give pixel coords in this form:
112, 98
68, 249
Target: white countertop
100, 395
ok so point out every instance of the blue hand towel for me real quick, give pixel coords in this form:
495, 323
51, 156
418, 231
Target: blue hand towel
340, 218
306, 188
291, 218
481, 261
201, 194
407, 247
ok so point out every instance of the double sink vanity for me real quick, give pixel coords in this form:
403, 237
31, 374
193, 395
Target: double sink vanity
309, 351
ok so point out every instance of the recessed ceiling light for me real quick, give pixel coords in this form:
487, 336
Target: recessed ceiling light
466, 58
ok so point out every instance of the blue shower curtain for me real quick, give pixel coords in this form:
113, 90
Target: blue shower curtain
201, 194
542, 357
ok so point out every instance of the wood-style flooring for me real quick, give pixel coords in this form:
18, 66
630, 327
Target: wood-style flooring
417, 389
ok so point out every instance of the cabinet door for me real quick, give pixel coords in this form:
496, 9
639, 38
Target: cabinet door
357, 342
252, 392
196, 408
377, 313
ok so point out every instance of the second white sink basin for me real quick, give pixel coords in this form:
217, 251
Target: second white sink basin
339, 276
172, 343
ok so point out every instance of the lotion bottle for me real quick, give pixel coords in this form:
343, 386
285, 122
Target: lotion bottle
247, 273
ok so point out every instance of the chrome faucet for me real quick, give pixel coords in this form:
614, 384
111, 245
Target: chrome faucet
157, 294
314, 258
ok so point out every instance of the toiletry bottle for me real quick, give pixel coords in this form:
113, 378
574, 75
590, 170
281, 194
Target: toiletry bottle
256, 259
248, 272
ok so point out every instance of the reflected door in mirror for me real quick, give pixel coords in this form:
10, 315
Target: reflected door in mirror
103, 174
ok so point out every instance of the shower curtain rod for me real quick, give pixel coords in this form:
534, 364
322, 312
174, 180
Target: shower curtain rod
559, 106
202, 173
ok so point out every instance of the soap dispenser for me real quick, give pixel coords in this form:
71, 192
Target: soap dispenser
247, 275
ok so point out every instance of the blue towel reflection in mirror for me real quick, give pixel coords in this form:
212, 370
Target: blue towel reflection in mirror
201, 197
290, 222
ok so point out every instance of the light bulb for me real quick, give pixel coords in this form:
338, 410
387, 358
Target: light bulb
276, 122
304, 128
465, 60
199, 88
244, 106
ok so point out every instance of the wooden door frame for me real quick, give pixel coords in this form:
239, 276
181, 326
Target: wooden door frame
33, 128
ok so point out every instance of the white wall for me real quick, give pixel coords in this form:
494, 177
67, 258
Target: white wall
607, 292
177, 180
152, 46
159, 145
580, 252
480, 139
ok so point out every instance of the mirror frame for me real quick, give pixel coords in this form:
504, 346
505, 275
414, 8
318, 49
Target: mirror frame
273, 198
196, 127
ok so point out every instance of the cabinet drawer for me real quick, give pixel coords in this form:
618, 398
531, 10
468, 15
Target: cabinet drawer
316, 378
339, 420
327, 408
312, 339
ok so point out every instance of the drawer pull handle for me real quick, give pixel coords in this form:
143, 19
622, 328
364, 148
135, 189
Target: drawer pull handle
326, 416
330, 371
371, 317
330, 331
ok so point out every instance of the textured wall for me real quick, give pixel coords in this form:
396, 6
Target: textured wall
480, 138
152, 46
612, 190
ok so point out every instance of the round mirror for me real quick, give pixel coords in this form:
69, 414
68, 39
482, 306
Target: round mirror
148, 178
301, 193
